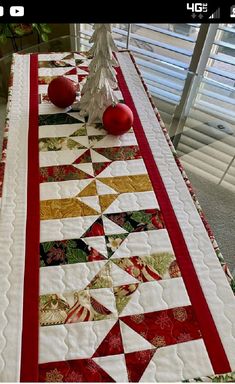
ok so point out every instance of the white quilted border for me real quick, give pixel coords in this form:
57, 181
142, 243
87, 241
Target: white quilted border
13, 225
5, 127
214, 284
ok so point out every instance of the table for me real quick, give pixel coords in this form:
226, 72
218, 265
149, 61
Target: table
130, 286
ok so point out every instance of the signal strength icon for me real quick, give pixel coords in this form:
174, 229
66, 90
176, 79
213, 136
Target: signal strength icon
216, 14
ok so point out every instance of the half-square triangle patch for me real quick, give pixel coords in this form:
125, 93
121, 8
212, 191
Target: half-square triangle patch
112, 343
137, 362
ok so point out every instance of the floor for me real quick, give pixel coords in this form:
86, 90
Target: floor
208, 144
221, 218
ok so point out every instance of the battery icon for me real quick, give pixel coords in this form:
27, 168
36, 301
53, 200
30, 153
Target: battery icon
232, 11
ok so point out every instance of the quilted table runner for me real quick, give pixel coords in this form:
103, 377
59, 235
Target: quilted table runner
107, 272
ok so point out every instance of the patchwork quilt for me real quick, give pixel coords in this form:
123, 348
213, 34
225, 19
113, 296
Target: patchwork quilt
108, 273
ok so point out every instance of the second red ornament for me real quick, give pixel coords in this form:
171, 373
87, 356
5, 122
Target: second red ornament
118, 119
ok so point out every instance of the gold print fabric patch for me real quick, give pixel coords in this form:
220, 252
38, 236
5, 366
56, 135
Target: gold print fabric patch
62, 208
133, 183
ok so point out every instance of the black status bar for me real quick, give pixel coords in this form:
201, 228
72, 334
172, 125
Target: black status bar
19, 11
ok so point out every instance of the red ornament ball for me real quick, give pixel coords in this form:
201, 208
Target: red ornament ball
62, 92
118, 119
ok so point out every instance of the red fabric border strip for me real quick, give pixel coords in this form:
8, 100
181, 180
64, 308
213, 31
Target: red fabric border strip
29, 352
208, 328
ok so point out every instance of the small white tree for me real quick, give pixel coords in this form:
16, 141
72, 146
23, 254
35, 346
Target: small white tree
97, 93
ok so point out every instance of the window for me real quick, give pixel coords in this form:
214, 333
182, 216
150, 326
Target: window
218, 80
162, 51
168, 55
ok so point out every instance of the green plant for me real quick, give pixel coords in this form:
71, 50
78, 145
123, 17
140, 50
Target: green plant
13, 31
